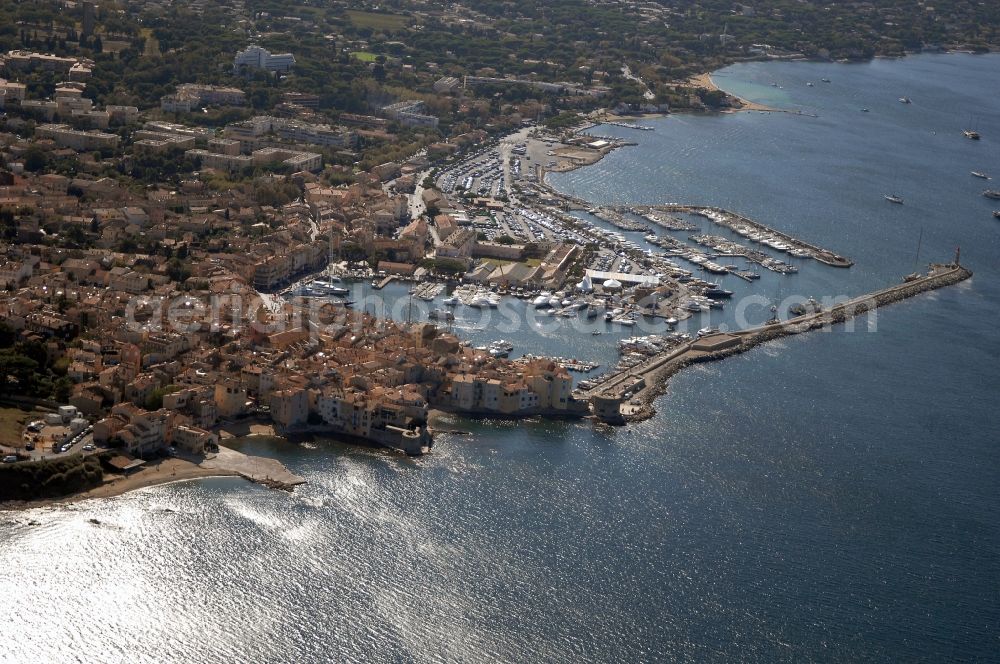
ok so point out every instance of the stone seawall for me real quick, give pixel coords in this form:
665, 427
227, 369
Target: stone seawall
656, 380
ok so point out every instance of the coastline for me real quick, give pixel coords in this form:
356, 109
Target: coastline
566, 164
166, 471
226, 463
705, 81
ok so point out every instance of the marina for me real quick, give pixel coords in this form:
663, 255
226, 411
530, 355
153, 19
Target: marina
725, 247
758, 232
814, 497
627, 394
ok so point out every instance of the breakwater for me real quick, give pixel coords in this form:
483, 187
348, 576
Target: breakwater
635, 389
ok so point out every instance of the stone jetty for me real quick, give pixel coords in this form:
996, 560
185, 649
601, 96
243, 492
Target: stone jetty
628, 395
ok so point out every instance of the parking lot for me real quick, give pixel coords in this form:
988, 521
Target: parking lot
41, 441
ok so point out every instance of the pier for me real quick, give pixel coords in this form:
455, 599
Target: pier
616, 219
753, 230
627, 125
641, 384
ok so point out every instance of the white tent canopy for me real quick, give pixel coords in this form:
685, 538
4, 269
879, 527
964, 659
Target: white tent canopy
598, 276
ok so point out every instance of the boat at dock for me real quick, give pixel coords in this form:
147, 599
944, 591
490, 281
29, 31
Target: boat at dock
718, 293
542, 300
501, 348
441, 314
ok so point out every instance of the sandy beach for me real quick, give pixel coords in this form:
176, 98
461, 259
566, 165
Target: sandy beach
226, 463
705, 81
160, 472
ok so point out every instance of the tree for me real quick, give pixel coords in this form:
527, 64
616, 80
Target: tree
63, 389
35, 159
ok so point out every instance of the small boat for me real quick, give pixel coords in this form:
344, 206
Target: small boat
992, 193
996, 214
339, 291
501, 349
671, 321
809, 84
825, 80
977, 174
441, 314
864, 110
892, 198
971, 134
706, 331
596, 333
905, 100
450, 301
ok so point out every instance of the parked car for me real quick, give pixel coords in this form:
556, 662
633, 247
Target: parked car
10, 458
89, 447
30, 445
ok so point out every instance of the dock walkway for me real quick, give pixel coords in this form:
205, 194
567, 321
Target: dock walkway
385, 282
731, 220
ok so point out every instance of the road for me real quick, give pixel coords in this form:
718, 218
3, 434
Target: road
627, 73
